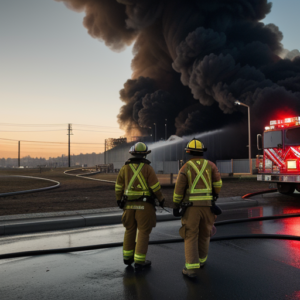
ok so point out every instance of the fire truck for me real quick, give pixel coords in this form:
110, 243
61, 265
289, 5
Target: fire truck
280, 162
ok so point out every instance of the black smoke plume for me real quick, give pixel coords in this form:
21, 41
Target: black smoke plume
194, 58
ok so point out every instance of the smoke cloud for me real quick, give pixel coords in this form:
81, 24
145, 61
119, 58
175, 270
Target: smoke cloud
194, 58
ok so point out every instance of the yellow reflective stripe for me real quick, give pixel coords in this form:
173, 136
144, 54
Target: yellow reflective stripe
193, 166
218, 183
138, 193
199, 175
157, 189
192, 266
118, 187
135, 174
193, 190
138, 207
177, 198
145, 191
153, 187
196, 198
127, 254
189, 174
139, 257
143, 180
209, 177
203, 260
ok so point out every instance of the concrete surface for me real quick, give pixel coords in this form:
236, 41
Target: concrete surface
236, 269
17, 224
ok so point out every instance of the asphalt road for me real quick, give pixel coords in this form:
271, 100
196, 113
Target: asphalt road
236, 268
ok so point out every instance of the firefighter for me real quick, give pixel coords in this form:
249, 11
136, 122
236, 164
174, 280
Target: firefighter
136, 189
198, 182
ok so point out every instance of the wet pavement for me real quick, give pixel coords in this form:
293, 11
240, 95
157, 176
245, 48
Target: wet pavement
236, 268
18, 224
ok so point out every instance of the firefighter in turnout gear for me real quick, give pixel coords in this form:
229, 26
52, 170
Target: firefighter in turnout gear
198, 182
136, 189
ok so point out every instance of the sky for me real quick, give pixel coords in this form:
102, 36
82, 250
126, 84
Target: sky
52, 72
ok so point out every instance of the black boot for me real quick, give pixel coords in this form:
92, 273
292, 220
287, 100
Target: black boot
141, 266
128, 261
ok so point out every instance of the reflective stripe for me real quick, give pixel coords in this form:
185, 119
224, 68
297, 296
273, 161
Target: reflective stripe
203, 260
135, 175
199, 198
209, 177
217, 183
199, 194
155, 187
140, 257
143, 181
192, 266
177, 198
118, 187
139, 207
199, 175
133, 195
127, 254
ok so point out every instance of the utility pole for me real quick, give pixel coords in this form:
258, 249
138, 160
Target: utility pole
155, 136
19, 154
105, 151
166, 135
249, 134
69, 144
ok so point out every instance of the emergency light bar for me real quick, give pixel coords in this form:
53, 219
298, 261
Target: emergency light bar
283, 123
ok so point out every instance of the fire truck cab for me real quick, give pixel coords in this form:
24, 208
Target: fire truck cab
280, 162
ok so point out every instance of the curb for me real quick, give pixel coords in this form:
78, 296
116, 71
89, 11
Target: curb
21, 226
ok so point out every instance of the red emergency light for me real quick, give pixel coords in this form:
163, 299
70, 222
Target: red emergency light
287, 122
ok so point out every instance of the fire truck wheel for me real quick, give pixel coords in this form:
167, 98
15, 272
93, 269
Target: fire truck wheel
298, 187
286, 188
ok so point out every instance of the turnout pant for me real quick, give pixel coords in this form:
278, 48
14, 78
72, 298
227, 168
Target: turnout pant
196, 223
138, 224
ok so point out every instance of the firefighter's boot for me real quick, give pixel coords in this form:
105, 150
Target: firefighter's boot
128, 261
143, 265
189, 272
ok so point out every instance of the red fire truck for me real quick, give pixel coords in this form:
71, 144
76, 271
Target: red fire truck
280, 162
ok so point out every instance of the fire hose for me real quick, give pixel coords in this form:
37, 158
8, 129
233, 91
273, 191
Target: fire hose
169, 241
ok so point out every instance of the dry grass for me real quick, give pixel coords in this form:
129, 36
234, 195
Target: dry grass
16, 184
78, 193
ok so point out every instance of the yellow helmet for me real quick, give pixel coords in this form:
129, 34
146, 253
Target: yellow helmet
139, 149
195, 146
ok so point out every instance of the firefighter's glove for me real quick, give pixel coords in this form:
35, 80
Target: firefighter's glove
176, 212
215, 209
216, 196
162, 203
120, 203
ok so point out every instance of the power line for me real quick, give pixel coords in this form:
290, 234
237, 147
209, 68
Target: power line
32, 125
94, 125
49, 125
32, 130
96, 130
62, 143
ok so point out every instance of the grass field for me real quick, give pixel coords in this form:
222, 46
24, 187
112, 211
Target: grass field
77, 193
